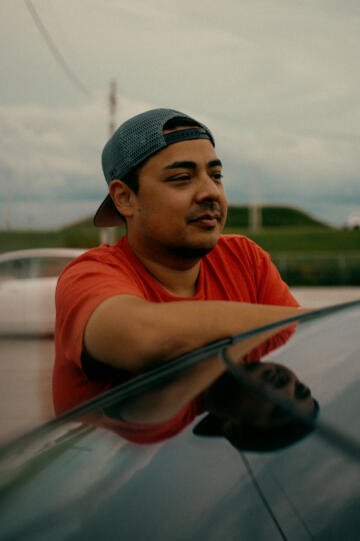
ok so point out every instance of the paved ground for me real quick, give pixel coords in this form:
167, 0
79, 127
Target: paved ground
322, 296
25, 384
26, 366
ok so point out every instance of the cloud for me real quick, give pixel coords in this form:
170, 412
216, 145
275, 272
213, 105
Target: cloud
276, 82
50, 145
50, 155
50, 160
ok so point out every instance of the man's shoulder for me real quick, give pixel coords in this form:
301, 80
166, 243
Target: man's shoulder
232, 248
101, 252
235, 242
103, 255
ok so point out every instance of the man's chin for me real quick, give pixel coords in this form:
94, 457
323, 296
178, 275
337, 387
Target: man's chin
194, 251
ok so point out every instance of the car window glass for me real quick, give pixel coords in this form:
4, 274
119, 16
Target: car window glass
43, 267
325, 345
314, 485
326, 353
14, 269
207, 477
34, 267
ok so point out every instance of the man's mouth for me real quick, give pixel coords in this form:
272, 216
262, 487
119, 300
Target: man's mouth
208, 220
207, 217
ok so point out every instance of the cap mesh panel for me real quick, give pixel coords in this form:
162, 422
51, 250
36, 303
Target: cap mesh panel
135, 140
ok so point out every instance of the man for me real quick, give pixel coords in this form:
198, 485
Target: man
171, 285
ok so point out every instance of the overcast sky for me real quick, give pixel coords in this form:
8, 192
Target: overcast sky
277, 81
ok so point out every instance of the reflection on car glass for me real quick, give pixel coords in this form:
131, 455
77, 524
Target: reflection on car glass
158, 413
293, 402
248, 419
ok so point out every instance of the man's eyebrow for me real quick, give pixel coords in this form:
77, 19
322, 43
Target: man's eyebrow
215, 163
191, 165
178, 165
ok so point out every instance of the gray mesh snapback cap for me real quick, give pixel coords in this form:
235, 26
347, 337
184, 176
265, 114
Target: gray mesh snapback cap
134, 141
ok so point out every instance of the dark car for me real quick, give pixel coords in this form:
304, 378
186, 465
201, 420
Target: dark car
71, 480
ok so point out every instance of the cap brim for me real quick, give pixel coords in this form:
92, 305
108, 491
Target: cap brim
107, 215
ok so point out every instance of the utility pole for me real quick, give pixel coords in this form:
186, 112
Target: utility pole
9, 202
107, 234
255, 211
112, 107
29, 206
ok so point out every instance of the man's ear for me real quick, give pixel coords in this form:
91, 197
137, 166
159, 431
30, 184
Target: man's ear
209, 426
122, 196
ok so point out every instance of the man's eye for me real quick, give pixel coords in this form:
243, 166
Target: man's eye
217, 177
269, 374
180, 177
301, 391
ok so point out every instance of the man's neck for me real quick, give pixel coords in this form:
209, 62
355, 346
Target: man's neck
178, 278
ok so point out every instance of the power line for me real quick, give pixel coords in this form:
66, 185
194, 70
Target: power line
54, 50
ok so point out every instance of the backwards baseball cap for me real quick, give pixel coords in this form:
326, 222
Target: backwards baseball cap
133, 142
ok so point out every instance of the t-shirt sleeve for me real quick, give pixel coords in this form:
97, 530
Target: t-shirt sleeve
82, 287
272, 290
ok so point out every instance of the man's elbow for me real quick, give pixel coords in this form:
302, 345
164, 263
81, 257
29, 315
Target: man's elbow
136, 351
154, 349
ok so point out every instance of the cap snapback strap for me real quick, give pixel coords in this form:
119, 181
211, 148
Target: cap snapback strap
184, 135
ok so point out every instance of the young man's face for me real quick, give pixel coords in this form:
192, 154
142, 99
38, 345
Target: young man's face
180, 208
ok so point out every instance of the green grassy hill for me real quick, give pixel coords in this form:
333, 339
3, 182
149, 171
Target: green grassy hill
238, 216
284, 229
272, 216
305, 250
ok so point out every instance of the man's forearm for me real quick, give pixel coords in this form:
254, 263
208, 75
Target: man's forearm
139, 335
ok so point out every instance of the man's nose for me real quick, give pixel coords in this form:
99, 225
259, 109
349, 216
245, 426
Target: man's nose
207, 188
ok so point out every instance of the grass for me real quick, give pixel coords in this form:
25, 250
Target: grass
306, 256
306, 251
272, 216
82, 237
325, 269
303, 239
285, 239
19, 240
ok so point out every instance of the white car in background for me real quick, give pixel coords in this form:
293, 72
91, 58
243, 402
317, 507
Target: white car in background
27, 289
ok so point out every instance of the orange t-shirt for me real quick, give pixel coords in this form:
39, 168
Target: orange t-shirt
235, 270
